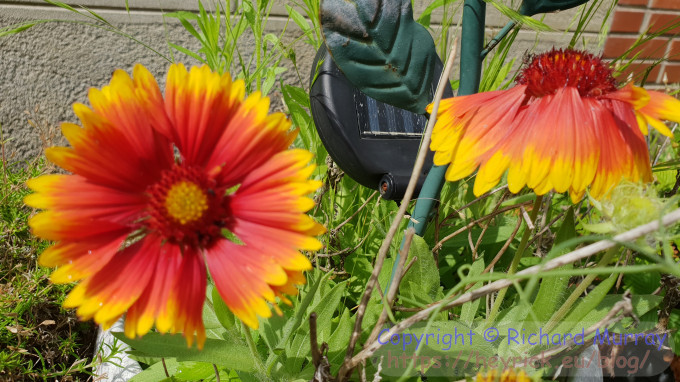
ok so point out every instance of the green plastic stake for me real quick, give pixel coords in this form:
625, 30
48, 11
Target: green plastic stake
474, 16
472, 42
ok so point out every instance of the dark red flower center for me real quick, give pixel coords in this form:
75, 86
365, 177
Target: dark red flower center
187, 208
556, 69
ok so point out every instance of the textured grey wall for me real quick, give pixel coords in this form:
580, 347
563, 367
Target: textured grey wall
47, 68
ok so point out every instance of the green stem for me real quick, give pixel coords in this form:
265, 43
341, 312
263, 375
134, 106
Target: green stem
515, 261
472, 42
253, 349
576, 294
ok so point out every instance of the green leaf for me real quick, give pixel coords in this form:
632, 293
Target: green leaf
510, 318
62, 5
469, 309
423, 275
381, 50
337, 343
182, 14
194, 371
299, 19
297, 94
644, 282
492, 235
641, 305
324, 309
447, 340
270, 78
97, 16
601, 228
551, 292
514, 15
225, 317
586, 305
358, 265
293, 324
666, 179
220, 352
674, 324
17, 29
156, 372
424, 18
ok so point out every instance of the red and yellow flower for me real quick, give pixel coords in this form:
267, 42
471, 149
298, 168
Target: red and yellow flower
565, 126
163, 185
509, 375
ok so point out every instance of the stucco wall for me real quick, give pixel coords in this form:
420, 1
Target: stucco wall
47, 68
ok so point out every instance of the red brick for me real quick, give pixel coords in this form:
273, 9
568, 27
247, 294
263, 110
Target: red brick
638, 69
660, 21
664, 4
674, 53
616, 46
672, 70
627, 21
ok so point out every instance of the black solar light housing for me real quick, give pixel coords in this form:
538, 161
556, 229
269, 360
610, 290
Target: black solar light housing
372, 142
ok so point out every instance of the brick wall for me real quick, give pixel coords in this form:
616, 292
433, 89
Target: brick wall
659, 55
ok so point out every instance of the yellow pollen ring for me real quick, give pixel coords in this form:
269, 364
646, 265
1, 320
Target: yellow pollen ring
186, 202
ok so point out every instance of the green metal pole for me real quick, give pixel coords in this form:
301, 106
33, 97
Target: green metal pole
474, 15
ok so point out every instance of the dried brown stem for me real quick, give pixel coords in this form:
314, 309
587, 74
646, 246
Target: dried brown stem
441, 242
346, 368
624, 306
477, 199
336, 229
394, 287
314, 343
481, 235
568, 258
504, 248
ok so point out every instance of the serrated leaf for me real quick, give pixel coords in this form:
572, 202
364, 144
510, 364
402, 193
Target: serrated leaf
220, 352
666, 179
381, 50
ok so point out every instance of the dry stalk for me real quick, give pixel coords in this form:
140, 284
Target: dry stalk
346, 368
568, 258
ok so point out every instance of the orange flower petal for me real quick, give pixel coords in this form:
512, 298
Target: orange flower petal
152, 305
